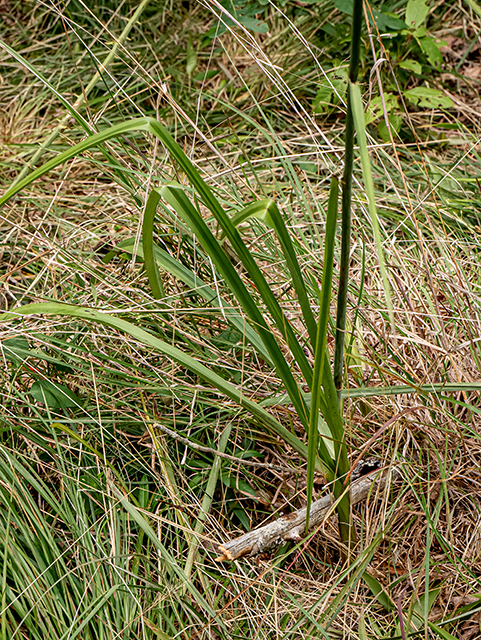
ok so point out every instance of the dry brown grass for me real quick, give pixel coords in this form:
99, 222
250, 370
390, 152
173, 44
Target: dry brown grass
430, 523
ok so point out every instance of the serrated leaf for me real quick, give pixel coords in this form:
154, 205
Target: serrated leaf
323, 99
329, 91
431, 48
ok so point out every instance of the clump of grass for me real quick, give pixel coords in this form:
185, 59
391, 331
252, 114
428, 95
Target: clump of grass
92, 432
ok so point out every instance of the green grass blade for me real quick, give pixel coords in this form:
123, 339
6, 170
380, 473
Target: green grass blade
358, 116
91, 315
449, 387
258, 210
175, 196
168, 558
139, 124
267, 212
369, 392
207, 499
208, 198
321, 342
4, 572
90, 613
148, 245
23, 61
165, 261
73, 110
152, 126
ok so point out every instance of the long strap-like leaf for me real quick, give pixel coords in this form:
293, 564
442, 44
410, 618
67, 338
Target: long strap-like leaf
92, 315
175, 196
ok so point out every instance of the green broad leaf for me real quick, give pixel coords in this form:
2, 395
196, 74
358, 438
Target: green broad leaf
383, 20
191, 58
345, 6
375, 109
206, 75
428, 98
442, 632
416, 13
431, 48
378, 592
387, 21
241, 515
330, 89
235, 15
308, 167
239, 485
227, 339
323, 100
411, 65
55, 396
15, 350
420, 608
420, 32
329, 29
395, 123
252, 24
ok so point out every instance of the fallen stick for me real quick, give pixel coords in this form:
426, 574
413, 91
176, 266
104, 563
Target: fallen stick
290, 526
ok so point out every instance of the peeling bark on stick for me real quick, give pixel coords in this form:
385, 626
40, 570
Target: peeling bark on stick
291, 526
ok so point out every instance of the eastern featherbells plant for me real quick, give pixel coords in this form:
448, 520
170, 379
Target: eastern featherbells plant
318, 409
328, 453
248, 304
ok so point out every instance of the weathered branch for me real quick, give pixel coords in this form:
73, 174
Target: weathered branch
290, 526
226, 456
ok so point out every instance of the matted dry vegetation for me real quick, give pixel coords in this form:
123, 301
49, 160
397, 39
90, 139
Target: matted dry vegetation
422, 536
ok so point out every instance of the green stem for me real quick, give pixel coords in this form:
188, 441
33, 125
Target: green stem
346, 199
346, 528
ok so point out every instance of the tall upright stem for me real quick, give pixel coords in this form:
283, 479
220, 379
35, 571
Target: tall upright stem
346, 199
